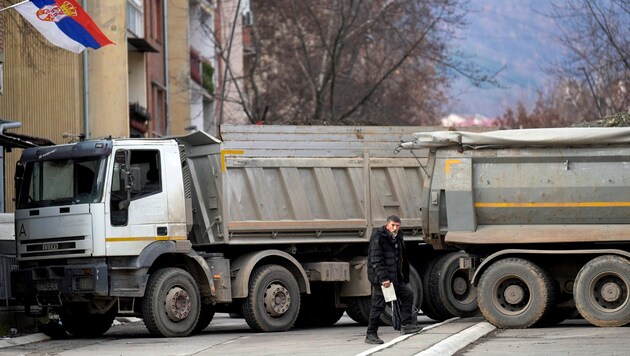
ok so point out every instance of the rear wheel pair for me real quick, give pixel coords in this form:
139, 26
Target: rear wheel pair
516, 293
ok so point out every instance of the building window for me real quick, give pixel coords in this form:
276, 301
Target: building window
202, 72
155, 25
135, 17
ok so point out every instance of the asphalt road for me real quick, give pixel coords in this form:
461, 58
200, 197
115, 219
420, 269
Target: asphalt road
227, 336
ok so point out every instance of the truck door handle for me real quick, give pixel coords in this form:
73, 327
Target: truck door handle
162, 231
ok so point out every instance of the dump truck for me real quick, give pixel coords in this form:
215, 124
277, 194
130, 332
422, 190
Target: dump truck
271, 223
542, 214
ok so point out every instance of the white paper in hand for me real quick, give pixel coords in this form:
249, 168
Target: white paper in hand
389, 293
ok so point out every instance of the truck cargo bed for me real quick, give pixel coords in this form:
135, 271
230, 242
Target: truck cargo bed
299, 184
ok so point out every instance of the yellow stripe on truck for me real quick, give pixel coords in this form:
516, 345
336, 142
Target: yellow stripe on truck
144, 238
587, 204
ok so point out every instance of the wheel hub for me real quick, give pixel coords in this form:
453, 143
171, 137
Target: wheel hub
277, 300
610, 291
178, 304
514, 294
459, 286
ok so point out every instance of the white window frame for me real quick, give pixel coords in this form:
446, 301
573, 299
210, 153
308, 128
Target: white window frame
135, 17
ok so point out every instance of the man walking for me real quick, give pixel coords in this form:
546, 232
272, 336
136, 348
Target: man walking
387, 265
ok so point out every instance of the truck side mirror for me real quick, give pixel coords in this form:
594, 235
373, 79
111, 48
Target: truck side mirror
127, 177
19, 175
133, 181
18, 179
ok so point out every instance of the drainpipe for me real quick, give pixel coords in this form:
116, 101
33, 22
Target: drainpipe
167, 96
86, 89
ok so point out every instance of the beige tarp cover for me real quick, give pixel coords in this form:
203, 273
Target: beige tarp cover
571, 136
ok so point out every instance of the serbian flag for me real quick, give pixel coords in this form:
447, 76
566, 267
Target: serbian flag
64, 23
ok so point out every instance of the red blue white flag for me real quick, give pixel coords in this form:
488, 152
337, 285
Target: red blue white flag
64, 23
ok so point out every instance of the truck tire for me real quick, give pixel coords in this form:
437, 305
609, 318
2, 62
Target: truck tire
314, 317
452, 287
171, 304
359, 309
318, 308
431, 302
273, 301
514, 293
602, 291
80, 323
415, 284
205, 318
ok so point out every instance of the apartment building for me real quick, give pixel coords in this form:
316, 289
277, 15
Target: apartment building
163, 76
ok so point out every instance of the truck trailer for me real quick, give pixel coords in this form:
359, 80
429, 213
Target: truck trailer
271, 223
543, 215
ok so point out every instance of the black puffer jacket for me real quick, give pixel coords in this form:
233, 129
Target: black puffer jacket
385, 261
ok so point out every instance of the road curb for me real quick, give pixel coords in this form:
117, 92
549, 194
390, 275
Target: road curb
403, 338
457, 342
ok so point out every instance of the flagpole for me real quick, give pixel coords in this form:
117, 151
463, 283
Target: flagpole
14, 5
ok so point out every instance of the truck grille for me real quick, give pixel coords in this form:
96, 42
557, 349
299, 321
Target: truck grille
51, 247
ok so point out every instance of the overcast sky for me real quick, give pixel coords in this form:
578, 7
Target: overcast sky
511, 33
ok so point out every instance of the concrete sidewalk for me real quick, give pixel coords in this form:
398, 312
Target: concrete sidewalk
441, 339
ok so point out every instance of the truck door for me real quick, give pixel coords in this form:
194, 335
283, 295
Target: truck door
137, 205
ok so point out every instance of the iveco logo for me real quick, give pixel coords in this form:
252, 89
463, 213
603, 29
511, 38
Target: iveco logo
50, 246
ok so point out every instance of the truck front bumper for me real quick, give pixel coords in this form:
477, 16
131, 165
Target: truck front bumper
48, 286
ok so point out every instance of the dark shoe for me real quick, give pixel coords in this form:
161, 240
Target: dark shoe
409, 329
373, 339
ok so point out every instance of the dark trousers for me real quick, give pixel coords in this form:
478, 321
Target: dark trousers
403, 294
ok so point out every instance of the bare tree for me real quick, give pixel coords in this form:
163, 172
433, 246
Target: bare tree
350, 62
592, 81
596, 74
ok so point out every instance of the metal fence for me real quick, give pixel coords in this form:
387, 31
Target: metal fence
7, 264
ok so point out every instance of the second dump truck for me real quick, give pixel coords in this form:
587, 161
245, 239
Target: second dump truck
543, 214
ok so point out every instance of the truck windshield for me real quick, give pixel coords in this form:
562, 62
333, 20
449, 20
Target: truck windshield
61, 182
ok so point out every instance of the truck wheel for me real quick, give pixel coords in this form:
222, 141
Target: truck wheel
80, 323
431, 302
415, 284
318, 316
318, 308
359, 309
205, 317
171, 304
273, 301
602, 290
514, 293
451, 285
